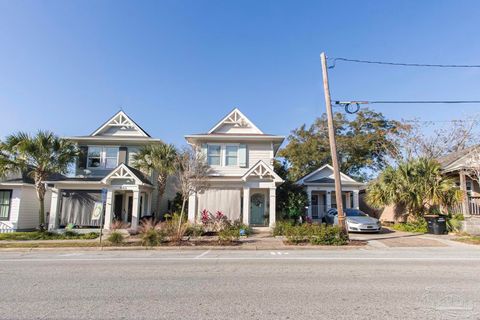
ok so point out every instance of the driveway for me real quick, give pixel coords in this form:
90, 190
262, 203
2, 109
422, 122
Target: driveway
392, 238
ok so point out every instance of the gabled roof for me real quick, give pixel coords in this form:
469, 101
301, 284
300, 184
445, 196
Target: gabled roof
120, 120
126, 172
453, 161
327, 179
238, 120
261, 170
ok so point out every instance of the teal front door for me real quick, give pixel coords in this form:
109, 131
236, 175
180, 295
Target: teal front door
257, 209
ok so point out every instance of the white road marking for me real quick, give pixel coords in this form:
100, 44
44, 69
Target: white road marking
202, 255
272, 253
244, 258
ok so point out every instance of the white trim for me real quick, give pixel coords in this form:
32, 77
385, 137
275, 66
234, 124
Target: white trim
343, 175
103, 157
235, 113
223, 154
264, 168
125, 174
127, 122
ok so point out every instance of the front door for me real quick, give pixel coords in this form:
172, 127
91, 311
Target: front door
118, 207
257, 209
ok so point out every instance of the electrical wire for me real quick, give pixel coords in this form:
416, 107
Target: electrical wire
402, 64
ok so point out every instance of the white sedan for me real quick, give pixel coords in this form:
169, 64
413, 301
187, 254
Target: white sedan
357, 221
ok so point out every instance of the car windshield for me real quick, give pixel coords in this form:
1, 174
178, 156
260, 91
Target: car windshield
354, 213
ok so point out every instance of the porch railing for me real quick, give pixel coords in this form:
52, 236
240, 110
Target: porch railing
473, 207
5, 228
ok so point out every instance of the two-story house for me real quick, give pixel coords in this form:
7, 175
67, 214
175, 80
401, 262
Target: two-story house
242, 182
105, 163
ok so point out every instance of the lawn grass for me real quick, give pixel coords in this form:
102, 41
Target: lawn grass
45, 235
469, 239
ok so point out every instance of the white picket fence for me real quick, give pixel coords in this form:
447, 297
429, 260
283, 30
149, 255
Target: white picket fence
473, 207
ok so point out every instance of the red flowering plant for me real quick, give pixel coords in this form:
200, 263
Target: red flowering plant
214, 222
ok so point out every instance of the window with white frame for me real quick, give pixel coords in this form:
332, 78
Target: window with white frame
102, 157
231, 155
214, 155
5, 203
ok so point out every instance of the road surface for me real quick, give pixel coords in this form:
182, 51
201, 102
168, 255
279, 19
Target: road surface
393, 283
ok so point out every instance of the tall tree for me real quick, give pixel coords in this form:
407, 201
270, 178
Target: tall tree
417, 184
192, 173
363, 144
159, 159
37, 156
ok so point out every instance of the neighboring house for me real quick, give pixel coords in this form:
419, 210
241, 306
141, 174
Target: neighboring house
320, 187
242, 182
105, 163
458, 165
19, 205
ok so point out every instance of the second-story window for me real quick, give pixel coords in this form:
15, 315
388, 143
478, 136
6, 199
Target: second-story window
231, 155
102, 157
214, 155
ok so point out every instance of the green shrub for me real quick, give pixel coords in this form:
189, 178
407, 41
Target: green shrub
151, 233
454, 222
69, 234
237, 224
229, 234
315, 234
419, 226
115, 237
47, 235
280, 226
194, 230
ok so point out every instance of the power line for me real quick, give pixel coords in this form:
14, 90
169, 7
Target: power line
354, 106
403, 64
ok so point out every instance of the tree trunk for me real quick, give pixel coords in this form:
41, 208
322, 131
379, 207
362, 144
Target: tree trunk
181, 214
161, 184
40, 189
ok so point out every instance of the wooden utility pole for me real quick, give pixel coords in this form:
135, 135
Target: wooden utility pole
333, 145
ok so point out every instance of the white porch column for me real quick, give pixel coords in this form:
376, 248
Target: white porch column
149, 203
135, 209
54, 207
108, 210
246, 205
192, 208
356, 199
347, 199
309, 192
273, 204
329, 200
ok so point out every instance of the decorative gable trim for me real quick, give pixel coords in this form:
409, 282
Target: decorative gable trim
261, 170
343, 176
238, 119
120, 119
121, 172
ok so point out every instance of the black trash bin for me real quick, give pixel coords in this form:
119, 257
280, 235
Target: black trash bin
436, 224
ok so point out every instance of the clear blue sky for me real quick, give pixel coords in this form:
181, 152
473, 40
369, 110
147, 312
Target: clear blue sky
178, 66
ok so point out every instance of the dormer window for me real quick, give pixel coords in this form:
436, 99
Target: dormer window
102, 157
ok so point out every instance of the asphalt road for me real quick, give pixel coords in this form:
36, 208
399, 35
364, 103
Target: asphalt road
394, 283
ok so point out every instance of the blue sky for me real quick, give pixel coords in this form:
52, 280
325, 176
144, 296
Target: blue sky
178, 66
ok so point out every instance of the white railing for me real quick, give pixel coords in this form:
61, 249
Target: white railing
473, 207
5, 228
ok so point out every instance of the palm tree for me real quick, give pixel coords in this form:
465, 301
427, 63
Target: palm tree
158, 158
416, 184
37, 156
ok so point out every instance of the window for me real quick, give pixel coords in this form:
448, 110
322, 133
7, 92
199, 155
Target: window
231, 155
213, 155
5, 202
94, 157
102, 157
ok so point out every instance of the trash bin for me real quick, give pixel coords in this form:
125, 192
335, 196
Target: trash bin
436, 224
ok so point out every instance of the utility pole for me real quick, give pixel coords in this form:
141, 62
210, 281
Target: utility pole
333, 145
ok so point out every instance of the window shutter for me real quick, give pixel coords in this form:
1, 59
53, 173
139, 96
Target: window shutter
242, 155
122, 155
82, 157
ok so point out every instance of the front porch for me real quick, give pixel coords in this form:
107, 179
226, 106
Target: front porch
322, 200
74, 200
